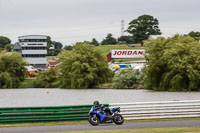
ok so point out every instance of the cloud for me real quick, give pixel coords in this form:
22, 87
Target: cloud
70, 21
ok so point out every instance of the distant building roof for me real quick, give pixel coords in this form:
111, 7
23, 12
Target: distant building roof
33, 37
54, 63
17, 46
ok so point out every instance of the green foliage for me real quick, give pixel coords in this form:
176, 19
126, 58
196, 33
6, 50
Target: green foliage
57, 46
195, 35
9, 47
126, 78
121, 42
28, 83
68, 47
4, 41
53, 52
126, 39
109, 40
46, 79
95, 42
49, 42
12, 70
142, 27
173, 64
5, 80
83, 67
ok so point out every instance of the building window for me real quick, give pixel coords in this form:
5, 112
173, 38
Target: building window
33, 55
33, 48
32, 40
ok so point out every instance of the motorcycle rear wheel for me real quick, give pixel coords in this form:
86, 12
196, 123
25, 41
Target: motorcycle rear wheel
93, 121
118, 119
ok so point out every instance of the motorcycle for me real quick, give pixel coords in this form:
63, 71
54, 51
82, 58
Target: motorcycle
105, 115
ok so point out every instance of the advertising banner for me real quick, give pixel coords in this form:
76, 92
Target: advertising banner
135, 53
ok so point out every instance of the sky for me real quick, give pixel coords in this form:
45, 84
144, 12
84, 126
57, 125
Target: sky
71, 21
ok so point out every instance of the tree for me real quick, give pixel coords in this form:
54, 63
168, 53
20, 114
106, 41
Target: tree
127, 39
195, 35
68, 47
109, 40
173, 64
12, 70
83, 67
95, 42
57, 47
142, 27
49, 42
4, 41
8, 47
46, 79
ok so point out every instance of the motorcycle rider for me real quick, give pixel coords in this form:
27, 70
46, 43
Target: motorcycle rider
99, 114
97, 106
101, 108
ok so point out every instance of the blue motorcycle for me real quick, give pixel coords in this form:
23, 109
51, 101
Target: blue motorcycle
105, 115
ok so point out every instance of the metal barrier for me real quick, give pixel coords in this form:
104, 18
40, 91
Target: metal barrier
161, 109
10, 115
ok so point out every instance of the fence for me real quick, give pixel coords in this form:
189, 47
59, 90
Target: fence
161, 109
10, 115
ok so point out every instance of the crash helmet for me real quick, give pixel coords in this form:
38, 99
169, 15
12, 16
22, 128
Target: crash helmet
96, 103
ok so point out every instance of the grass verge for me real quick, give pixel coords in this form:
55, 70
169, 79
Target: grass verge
148, 130
86, 122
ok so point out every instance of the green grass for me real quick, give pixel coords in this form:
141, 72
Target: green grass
148, 130
86, 122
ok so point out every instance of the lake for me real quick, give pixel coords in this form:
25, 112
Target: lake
61, 97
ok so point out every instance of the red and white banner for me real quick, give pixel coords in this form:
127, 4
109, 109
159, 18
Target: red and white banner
136, 53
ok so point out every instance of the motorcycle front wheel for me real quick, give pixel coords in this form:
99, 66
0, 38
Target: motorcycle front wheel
93, 120
118, 119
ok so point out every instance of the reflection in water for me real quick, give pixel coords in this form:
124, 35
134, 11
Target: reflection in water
60, 97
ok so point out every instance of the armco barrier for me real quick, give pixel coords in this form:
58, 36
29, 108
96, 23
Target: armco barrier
160, 109
10, 115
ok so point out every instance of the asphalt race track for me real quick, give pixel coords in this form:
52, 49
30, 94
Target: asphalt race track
87, 127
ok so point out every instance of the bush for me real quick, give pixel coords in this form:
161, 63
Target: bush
46, 79
126, 78
28, 83
173, 64
12, 70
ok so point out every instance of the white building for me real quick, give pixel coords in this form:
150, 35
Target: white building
34, 50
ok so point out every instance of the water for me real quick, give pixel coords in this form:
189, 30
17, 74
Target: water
61, 97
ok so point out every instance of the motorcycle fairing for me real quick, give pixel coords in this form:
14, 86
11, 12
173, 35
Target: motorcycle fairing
115, 109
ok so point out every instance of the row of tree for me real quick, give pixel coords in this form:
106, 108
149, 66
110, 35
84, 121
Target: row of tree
172, 65
83, 67
139, 29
